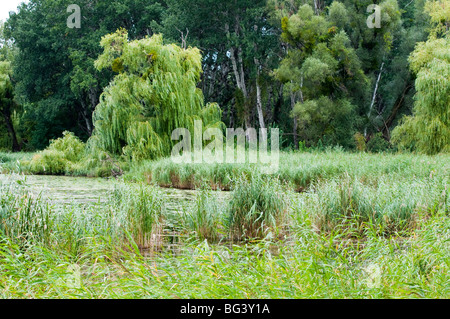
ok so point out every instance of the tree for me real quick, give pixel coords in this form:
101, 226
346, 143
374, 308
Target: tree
323, 76
428, 129
153, 94
56, 81
7, 103
240, 48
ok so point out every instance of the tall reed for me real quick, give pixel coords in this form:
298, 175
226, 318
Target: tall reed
24, 218
257, 205
389, 206
142, 209
205, 217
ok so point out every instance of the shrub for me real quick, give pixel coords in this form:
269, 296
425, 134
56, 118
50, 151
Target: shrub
59, 157
49, 162
378, 144
360, 142
69, 145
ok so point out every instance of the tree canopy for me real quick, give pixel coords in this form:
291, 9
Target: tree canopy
314, 69
153, 93
428, 129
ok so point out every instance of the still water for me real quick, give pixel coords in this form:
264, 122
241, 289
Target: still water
84, 190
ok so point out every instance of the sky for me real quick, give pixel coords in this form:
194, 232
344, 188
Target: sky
8, 5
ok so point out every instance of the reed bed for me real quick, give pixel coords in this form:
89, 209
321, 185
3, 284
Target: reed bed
257, 207
359, 229
300, 170
308, 268
389, 206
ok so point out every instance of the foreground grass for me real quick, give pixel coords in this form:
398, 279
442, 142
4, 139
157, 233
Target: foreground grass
101, 251
311, 266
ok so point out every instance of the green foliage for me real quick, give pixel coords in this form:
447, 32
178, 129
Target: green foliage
60, 156
55, 78
155, 94
257, 207
334, 121
205, 218
378, 144
321, 71
338, 14
143, 210
439, 13
302, 146
8, 105
360, 142
237, 31
428, 130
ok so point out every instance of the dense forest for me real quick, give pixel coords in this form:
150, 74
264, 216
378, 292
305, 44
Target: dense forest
315, 69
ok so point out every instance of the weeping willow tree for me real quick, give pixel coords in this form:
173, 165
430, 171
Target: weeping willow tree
153, 93
7, 103
428, 130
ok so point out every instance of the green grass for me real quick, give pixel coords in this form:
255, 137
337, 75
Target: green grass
205, 220
143, 212
299, 169
257, 207
389, 205
14, 162
309, 266
24, 218
366, 226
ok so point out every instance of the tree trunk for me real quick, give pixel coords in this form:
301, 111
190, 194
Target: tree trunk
269, 104
394, 112
258, 100
212, 83
84, 115
238, 70
373, 97
294, 130
10, 127
277, 105
317, 7
242, 74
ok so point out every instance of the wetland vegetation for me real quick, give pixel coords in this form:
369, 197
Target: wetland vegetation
92, 205
375, 231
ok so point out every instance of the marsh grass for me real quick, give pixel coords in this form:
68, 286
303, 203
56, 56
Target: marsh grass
380, 231
24, 218
310, 266
257, 206
205, 218
301, 170
388, 206
143, 210
14, 162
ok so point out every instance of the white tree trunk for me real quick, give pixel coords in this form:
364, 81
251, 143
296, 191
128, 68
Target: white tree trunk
373, 97
259, 102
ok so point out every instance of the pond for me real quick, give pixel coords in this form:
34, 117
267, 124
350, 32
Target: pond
83, 190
